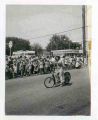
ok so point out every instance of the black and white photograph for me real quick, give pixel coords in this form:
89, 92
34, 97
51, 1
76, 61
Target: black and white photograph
48, 60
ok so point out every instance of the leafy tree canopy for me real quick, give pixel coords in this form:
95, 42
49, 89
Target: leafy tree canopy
18, 44
60, 42
37, 48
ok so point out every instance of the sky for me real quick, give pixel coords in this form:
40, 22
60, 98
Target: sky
32, 22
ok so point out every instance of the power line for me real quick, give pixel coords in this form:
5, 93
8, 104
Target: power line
59, 32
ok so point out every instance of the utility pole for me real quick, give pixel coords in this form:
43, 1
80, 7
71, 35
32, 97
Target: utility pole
10, 46
83, 31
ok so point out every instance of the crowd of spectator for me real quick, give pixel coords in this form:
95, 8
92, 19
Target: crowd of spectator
33, 65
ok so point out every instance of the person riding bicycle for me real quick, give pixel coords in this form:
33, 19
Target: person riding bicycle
59, 74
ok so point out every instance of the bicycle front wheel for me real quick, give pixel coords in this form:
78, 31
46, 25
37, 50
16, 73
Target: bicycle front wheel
49, 82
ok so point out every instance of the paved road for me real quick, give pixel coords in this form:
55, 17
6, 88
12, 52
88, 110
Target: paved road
28, 96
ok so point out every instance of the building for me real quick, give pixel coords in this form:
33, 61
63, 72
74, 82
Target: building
21, 53
70, 52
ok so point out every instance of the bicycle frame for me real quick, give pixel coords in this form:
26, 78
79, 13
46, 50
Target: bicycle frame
53, 76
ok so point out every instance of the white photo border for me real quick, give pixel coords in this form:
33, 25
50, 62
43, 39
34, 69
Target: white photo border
94, 61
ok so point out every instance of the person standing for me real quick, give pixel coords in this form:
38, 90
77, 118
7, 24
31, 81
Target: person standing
41, 66
14, 70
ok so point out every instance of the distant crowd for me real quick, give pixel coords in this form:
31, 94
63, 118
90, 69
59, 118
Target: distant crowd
34, 65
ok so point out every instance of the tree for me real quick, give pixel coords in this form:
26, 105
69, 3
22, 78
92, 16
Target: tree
37, 48
18, 44
60, 42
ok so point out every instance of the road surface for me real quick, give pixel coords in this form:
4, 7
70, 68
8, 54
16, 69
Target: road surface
28, 96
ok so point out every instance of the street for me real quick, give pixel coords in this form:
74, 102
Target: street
28, 96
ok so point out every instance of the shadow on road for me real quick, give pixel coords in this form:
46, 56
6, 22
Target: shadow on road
67, 84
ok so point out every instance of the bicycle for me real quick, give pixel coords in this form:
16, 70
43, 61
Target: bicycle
49, 82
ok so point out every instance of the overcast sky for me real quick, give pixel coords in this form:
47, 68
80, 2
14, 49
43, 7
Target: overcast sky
32, 21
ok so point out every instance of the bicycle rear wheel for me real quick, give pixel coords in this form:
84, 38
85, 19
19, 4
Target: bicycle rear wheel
49, 82
67, 77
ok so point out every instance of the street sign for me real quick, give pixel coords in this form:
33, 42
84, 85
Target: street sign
10, 44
